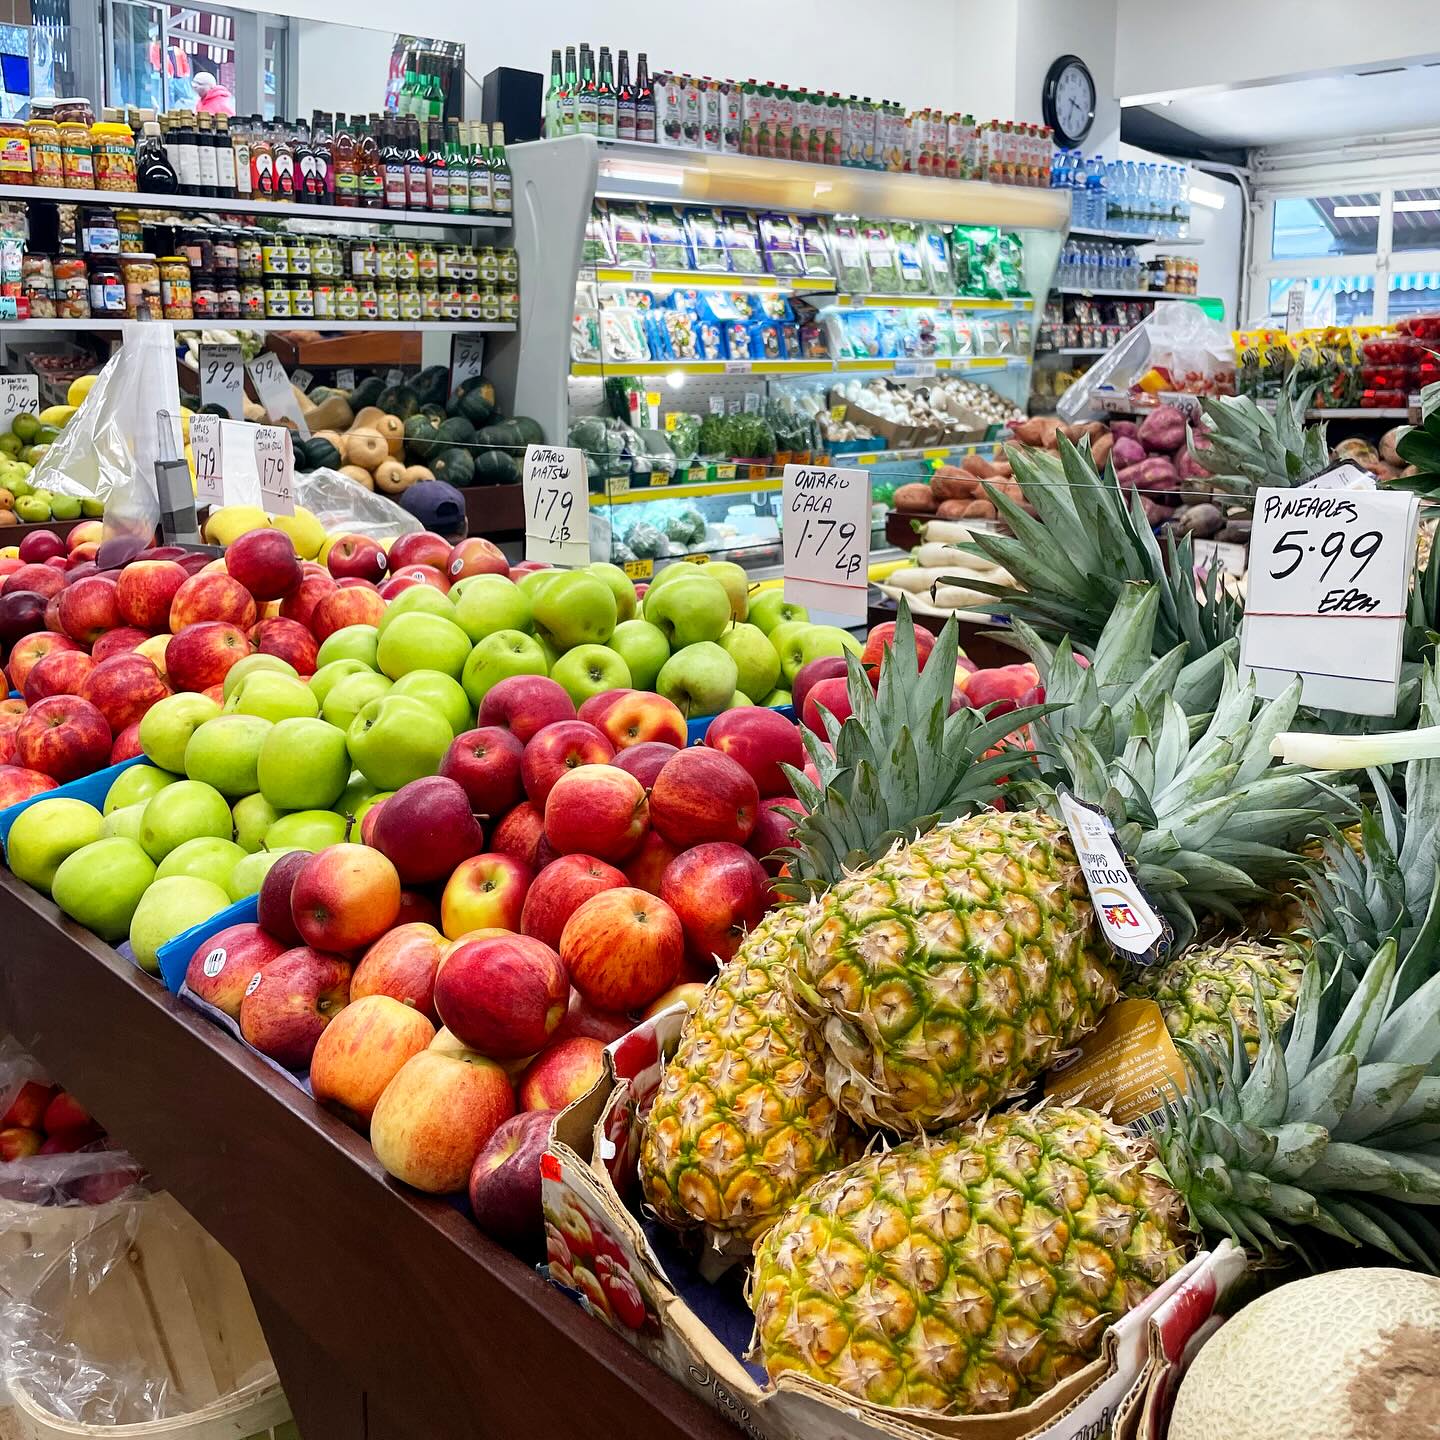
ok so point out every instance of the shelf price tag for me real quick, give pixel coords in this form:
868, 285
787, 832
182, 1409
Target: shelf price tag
302, 379
273, 387
222, 379
275, 462
467, 359
1327, 591
826, 534
205, 446
345, 379
556, 491
915, 368
19, 395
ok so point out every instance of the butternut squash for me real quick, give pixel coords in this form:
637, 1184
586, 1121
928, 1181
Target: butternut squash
359, 475
366, 448
365, 419
332, 413
392, 431
390, 477
414, 474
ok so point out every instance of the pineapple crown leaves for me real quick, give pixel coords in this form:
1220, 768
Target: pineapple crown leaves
1337, 1129
1248, 448
902, 763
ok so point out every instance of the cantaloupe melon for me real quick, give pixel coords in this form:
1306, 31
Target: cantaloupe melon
1352, 1355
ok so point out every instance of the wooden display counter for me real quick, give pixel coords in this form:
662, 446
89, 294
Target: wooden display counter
389, 1315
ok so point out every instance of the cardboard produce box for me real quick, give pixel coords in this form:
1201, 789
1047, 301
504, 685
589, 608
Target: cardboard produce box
642, 1280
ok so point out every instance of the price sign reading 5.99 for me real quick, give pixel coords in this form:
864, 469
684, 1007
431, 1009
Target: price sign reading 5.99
1327, 592
827, 538
556, 490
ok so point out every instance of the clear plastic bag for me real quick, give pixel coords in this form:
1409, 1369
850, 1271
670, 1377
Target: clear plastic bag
340, 504
1178, 338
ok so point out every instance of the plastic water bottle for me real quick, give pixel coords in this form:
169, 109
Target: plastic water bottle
1183, 201
1095, 194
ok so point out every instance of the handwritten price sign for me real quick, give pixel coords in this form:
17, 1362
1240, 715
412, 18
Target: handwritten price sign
275, 463
209, 470
827, 538
1327, 592
222, 379
556, 490
273, 387
19, 395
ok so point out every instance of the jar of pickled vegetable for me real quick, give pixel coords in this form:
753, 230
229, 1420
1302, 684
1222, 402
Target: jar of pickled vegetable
275, 255
369, 300
76, 156
142, 287
252, 299
410, 306
47, 163
302, 298
175, 299
114, 146
132, 232
324, 289
427, 261
407, 261
388, 298
347, 299
430, 299
277, 298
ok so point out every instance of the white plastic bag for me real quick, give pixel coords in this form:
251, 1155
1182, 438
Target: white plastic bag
339, 503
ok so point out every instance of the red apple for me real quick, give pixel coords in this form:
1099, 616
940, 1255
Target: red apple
127, 744
17, 784
426, 829
402, 965
703, 795
118, 642
520, 834
59, 563
12, 705
345, 898
827, 667
834, 695
560, 889
641, 718
437, 1114
369, 820
417, 908
622, 948
719, 891
420, 547
145, 590
123, 688
79, 554
87, 532
397, 585
23, 612
17, 1143
299, 605
358, 556
594, 708
760, 741
163, 552
35, 577
503, 995
353, 605
646, 760
422, 575
40, 545
524, 705
201, 655
505, 1182
476, 556
88, 608
563, 1072
998, 691
582, 1018
288, 639
224, 965
274, 910
645, 867
65, 1115
362, 1050
27, 1109
63, 737
212, 596
9, 724
528, 567
882, 637
561, 746
597, 809
486, 892
61, 672
264, 562
772, 829
288, 1004
359, 582
30, 649
486, 763
106, 1185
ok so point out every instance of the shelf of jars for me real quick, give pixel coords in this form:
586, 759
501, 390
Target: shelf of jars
900, 367
447, 327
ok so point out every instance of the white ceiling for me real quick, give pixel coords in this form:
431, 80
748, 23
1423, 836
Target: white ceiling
1324, 107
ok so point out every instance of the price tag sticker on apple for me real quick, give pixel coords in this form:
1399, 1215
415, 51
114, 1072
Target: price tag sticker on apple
19, 395
556, 490
826, 535
272, 385
1327, 591
205, 446
222, 379
467, 359
275, 463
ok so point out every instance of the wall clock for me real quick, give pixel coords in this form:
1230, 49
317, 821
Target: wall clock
1069, 100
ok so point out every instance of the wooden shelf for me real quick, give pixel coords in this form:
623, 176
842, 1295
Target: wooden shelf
493, 510
14, 534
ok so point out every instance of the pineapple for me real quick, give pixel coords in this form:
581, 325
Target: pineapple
968, 1273
741, 1120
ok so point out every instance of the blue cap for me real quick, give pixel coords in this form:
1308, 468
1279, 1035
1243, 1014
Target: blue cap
437, 506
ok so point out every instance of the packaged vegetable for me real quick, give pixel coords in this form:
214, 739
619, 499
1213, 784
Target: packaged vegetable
881, 259
622, 335
781, 241
585, 333
683, 430
742, 243
936, 250
814, 246
909, 258
705, 233
851, 273
597, 249
667, 238
629, 236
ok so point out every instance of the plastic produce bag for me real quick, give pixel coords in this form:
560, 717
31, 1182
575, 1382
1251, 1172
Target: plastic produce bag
339, 503
1178, 338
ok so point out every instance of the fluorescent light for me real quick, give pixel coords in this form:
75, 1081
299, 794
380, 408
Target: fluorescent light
1355, 212
675, 379
1208, 198
1417, 204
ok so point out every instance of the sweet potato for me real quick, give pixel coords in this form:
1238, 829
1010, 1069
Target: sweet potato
1187, 467
979, 510
1002, 469
1155, 514
1127, 452
951, 509
1027, 432
1156, 473
1123, 429
915, 500
1162, 431
1100, 448
1094, 429
978, 466
951, 483
1048, 424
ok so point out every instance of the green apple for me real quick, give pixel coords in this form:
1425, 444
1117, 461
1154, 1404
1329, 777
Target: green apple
167, 726
208, 858
395, 740
324, 680
47, 833
575, 608
589, 669
534, 581
770, 608
498, 656
755, 658
784, 634
550, 653
644, 649
621, 587
180, 812
307, 830
736, 580
738, 701
700, 679
168, 908
442, 694
126, 821
137, 783
223, 752
354, 642
812, 643
274, 697
304, 765
689, 610
417, 600
253, 816
249, 665
246, 877
778, 697
422, 642
353, 798
489, 603
352, 695
100, 885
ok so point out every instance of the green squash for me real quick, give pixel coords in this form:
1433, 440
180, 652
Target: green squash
496, 467
320, 452
529, 429
421, 434
455, 467
366, 393
432, 384
475, 400
399, 400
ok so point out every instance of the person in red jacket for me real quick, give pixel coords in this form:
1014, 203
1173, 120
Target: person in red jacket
214, 97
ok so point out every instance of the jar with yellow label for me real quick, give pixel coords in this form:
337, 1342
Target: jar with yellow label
324, 288
430, 299
277, 298
47, 161
114, 145
347, 299
386, 259
427, 261
132, 232
388, 296
407, 261
489, 303
410, 306
452, 301
76, 156
448, 261
302, 298
488, 270
364, 259
471, 306
299, 248
469, 263
252, 299
509, 269
15, 154
275, 256
175, 301
369, 300
509, 305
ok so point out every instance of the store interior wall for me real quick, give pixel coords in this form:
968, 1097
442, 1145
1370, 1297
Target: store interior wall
341, 67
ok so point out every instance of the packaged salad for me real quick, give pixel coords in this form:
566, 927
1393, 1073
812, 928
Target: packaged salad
909, 258
742, 243
781, 242
814, 246
851, 272
881, 259
666, 235
622, 335
597, 249
705, 232
585, 333
936, 250
629, 236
